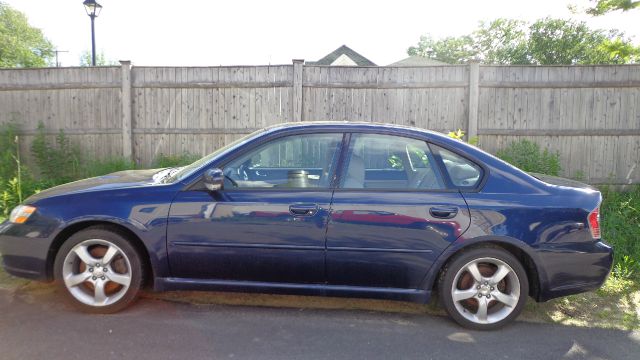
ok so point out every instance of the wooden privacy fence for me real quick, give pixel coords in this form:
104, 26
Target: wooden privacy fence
590, 114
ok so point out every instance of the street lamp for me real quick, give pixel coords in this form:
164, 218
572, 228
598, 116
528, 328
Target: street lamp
93, 10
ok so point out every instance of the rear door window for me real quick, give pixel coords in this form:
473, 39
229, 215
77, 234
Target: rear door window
377, 161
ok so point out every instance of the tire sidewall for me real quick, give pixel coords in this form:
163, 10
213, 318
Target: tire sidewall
445, 285
120, 241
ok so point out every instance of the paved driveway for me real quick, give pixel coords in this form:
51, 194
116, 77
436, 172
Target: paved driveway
35, 325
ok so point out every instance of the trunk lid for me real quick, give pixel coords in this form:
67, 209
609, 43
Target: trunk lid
560, 181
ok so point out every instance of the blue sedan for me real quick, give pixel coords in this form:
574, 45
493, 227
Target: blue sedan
335, 209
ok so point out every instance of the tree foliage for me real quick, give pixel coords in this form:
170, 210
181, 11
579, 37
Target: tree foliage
101, 59
545, 42
21, 45
602, 7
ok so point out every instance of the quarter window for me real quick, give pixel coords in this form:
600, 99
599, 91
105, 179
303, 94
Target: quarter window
300, 161
461, 171
389, 162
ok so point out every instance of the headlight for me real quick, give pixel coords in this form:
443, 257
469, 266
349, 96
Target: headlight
21, 213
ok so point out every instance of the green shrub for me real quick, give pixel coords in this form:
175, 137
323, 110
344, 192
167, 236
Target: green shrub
58, 162
527, 156
8, 150
9, 196
103, 167
165, 161
620, 216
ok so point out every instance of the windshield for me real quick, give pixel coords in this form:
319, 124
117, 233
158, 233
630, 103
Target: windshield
177, 174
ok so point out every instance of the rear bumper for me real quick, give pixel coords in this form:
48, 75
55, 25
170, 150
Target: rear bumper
24, 250
574, 268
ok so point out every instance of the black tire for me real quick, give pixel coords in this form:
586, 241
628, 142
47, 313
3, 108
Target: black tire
127, 257
484, 258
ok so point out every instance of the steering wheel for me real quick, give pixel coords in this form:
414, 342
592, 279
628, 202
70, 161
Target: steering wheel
242, 170
233, 182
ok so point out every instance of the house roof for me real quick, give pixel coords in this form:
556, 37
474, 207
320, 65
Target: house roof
358, 59
417, 61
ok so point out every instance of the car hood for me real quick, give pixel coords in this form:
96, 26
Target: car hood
116, 180
559, 181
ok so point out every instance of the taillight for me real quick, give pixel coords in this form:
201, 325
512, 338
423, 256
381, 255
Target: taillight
594, 223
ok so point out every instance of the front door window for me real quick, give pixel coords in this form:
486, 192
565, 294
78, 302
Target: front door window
300, 161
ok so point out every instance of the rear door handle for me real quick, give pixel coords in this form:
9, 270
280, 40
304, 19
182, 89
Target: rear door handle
303, 209
443, 212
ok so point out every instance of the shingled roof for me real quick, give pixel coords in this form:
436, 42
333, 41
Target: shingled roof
418, 61
343, 50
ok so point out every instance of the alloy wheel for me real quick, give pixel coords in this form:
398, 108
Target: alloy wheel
485, 290
97, 272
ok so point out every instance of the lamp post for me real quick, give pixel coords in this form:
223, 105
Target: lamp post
93, 10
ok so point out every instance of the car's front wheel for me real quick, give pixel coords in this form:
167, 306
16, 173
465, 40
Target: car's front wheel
484, 288
99, 270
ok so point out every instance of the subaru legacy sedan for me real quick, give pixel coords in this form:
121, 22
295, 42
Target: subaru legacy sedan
336, 209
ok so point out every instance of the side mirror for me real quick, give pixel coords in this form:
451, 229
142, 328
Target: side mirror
214, 179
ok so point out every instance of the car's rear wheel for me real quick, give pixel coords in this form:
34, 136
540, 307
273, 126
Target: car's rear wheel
99, 270
484, 288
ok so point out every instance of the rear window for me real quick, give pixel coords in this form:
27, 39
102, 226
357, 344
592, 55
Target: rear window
462, 171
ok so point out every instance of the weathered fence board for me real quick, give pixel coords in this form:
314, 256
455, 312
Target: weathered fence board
590, 114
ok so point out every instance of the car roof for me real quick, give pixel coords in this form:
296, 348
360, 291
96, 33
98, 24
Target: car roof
350, 126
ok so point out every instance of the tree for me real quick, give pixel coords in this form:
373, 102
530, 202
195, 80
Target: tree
502, 41
21, 45
545, 42
101, 59
556, 41
604, 6
451, 50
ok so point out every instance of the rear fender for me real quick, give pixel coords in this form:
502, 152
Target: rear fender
461, 244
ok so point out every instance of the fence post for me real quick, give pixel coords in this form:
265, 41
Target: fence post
298, 68
474, 93
125, 100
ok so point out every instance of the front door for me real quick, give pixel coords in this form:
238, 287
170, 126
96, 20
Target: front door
392, 214
269, 222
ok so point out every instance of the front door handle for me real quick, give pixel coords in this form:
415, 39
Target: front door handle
303, 209
443, 212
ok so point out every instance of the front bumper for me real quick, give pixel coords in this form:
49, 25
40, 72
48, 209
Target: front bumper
25, 249
574, 268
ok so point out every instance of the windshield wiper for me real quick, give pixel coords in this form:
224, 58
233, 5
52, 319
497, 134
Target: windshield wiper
162, 174
169, 174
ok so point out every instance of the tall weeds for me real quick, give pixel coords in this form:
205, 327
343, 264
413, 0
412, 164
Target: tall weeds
12, 173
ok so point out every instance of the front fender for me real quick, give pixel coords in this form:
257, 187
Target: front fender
152, 238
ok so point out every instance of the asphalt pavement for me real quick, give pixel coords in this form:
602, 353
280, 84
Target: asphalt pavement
38, 325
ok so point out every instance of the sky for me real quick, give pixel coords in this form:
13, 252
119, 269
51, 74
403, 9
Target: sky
254, 32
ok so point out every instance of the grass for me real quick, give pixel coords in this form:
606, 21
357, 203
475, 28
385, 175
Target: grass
296, 301
615, 305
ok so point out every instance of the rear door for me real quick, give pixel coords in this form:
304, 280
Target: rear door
392, 214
